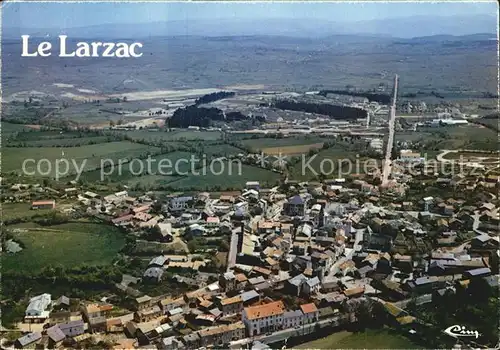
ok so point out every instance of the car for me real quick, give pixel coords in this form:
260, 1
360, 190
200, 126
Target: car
269, 333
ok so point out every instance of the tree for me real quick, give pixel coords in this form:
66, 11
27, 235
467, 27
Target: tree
155, 231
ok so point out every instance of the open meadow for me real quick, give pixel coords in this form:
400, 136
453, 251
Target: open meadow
174, 135
369, 339
92, 155
230, 178
139, 171
332, 162
67, 245
291, 150
470, 136
261, 144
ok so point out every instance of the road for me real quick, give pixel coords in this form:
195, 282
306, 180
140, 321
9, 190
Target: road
233, 249
348, 256
390, 142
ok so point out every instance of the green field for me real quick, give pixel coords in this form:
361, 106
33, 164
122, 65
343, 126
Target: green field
336, 156
456, 137
19, 210
92, 155
56, 142
10, 128
237, 179
369, 339
38, 135
221, 150
492, 122
174, 135
132, 171
68, 245
260, 143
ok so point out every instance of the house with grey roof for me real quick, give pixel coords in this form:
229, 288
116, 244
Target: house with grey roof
153, 274
56, 336
158, 261
311, 286
249, 297
62, 302
72, 328
38, 305
292, 319
481, 272
294, 284
192, 341
170, 343
28, 341
295, 206
179, 203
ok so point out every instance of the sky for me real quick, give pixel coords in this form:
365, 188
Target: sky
81, 14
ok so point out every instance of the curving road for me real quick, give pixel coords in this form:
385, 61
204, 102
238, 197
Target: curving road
390, 142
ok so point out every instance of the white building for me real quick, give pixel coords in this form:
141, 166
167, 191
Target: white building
448, 121
408, 156
292, 319
310, 313
179, 203
264, 318
241, 208
377, 144
38, 305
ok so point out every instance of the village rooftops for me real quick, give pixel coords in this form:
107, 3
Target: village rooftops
308, 308
229, 275
249, 295
141, 209
296, 200
70, 324
261, 270
292, 314
240, 277
91, 308
159, 260
233, 300
143, 299
29, 338
267, 224
354, 291
256, 280
265, 310
55, 334
297, 280
221, 329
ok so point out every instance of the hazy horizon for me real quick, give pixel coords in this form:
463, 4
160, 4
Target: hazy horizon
61, 16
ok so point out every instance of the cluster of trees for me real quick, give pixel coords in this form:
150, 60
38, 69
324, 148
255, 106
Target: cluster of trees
475, 307
52, 218
84, 142
203, 117
333, 111
213, 97
194, 116
30, 115
371, 96
235, 116
45, 218
76, 281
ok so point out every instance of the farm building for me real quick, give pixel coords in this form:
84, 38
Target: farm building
43, 205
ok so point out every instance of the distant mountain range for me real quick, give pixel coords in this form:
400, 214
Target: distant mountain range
429, 27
